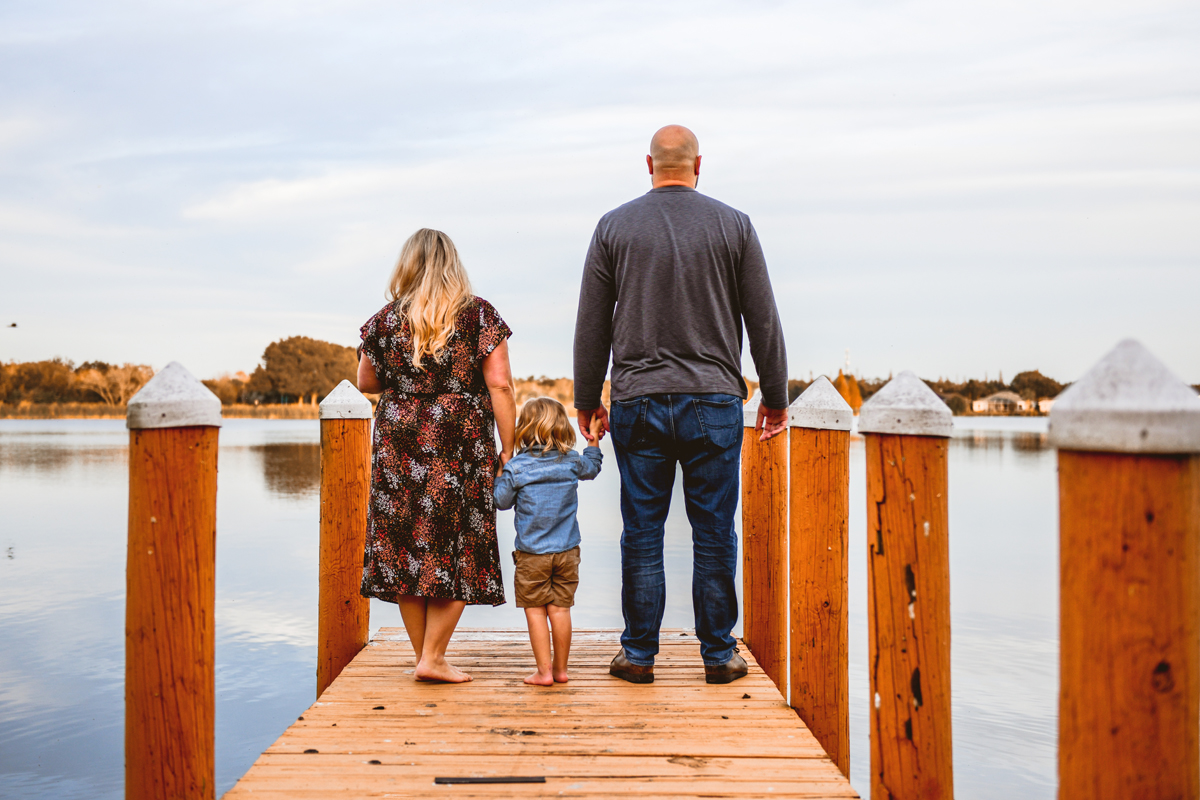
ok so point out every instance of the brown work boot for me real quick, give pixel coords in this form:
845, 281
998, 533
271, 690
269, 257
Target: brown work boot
627, 671
728, 672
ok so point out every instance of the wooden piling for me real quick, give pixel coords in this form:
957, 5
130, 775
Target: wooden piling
170, 588
819, 509
1129, 535
764, 547
343, 613
908, 576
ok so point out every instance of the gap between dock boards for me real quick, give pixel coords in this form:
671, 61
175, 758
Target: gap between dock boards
376, 732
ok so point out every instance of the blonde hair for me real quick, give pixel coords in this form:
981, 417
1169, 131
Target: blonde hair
543, 423
430, 287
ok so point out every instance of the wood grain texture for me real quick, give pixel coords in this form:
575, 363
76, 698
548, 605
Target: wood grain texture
344, 614
1129, 626
819, 510
376, 732
908, 613
169, 631
764, 552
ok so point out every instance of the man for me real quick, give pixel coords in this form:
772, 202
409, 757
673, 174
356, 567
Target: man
669, 280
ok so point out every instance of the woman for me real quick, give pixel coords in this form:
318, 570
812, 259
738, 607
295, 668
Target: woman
439, 355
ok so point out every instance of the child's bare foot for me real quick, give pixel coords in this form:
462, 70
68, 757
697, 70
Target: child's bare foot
540, 679
560, 676
440, 671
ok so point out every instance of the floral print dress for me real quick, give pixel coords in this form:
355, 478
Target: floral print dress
431, 529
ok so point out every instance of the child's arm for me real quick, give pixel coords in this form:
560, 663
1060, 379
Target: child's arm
505, 490
596, 429
589, 462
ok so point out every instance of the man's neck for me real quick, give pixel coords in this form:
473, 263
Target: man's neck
673, 182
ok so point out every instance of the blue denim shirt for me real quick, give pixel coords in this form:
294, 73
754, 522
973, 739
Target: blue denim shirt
543, 487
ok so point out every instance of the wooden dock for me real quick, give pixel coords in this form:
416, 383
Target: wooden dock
376, 732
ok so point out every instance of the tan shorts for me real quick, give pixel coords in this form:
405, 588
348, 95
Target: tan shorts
544, 578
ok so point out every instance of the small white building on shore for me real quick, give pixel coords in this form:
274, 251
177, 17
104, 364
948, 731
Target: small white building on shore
1000, 403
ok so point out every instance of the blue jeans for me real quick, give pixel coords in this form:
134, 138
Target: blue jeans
703, 434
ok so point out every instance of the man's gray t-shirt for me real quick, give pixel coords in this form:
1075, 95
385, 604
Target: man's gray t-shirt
669, 279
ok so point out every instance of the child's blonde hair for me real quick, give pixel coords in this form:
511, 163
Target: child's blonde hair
543, 423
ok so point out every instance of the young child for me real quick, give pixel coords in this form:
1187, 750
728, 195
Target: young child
541, 480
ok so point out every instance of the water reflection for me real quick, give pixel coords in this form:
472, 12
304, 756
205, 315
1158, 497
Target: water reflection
291, 469
1018, 441
63, 495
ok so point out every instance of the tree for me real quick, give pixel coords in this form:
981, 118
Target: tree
299, 367
113, 385
50, 381
1033, 385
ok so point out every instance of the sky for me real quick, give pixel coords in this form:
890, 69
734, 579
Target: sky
959, 189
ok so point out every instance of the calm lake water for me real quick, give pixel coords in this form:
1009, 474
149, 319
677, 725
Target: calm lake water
63, 488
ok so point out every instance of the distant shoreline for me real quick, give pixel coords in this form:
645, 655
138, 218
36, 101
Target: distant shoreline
105, 411
247, 411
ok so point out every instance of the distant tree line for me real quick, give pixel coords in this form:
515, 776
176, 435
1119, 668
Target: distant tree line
296, 369
1031, 385
301, 369
60, 381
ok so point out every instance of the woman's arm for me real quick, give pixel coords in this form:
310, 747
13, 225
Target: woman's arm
497, 374
368, 381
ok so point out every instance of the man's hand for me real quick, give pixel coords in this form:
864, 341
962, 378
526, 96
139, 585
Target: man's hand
770, 422
585, 418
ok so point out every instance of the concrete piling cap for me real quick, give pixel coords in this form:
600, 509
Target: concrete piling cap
906, 405
1129, 402
173, 398
750, 409
345, 402
822, 407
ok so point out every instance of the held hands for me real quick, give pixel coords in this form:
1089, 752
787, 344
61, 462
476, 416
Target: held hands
593, 424
505, 457
770, 422
596, 428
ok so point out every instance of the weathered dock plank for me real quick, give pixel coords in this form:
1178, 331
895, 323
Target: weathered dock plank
376, 732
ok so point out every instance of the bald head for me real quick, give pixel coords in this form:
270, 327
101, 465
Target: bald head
674, 156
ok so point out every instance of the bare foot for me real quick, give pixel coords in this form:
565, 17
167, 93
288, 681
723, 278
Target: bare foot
560, 676
540, 679
441, 672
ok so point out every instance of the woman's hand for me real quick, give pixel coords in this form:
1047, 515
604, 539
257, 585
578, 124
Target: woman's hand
505, 457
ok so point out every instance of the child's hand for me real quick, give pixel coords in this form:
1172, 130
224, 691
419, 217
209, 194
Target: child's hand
596, 429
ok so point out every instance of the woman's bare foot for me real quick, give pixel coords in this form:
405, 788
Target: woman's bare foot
540, 679
440, 671
560, 676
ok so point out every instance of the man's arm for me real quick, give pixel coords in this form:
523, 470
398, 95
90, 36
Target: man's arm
593, 334
765, 332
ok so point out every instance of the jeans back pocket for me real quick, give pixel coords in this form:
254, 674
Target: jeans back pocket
721, 420
627, 421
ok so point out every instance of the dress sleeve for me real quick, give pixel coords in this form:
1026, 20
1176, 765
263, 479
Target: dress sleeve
372, 345
492, 329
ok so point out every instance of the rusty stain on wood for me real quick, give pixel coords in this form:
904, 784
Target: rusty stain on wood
1129, 625
819, 513
169, 629
908, 604
764, 552
343, 616
596, 736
